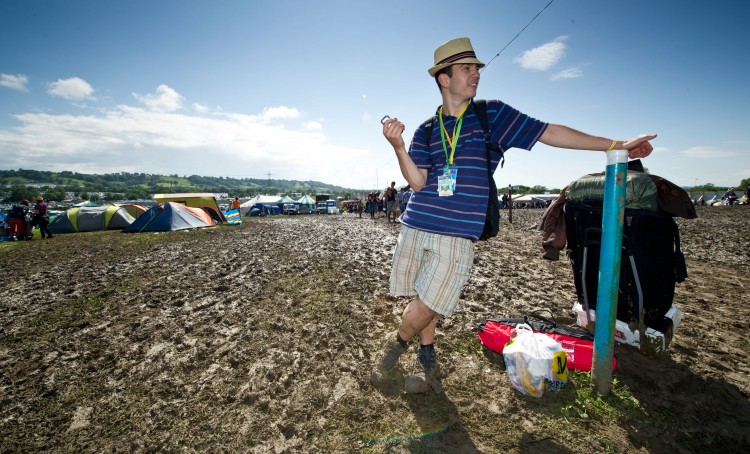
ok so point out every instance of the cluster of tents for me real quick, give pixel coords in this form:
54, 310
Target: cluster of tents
270, 205
172, 212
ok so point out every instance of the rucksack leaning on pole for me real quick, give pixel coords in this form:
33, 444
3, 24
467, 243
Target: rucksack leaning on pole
651, 259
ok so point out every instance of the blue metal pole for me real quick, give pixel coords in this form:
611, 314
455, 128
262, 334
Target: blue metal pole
609, 270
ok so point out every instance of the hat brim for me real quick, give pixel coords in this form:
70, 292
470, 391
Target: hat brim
435, 69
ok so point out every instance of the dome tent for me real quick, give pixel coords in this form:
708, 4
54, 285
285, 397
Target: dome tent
134, 209
91, 218
169, 216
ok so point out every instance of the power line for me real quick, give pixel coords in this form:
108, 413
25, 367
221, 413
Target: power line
517, 35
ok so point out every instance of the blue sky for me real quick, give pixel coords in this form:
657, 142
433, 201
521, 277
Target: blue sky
297, 88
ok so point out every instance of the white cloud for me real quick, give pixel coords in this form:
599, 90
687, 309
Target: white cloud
73, 88
156, 139
543, 57
281, 112
14, 82
200, 108
708, 153
312, 126
165, 99
570, 73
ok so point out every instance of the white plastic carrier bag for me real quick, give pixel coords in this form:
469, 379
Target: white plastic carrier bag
535, 363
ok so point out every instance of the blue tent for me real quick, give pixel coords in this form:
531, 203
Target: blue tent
169, 216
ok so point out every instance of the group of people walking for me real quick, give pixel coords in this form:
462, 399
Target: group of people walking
392, 201
22, 218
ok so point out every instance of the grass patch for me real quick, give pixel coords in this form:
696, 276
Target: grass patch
466, 344
584, 403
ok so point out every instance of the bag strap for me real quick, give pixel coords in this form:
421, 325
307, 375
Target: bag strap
480, 109
535, 314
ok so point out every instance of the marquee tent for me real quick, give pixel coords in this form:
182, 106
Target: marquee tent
170, 216
88, 219
534, 197
307, 201
262, 200
259, 201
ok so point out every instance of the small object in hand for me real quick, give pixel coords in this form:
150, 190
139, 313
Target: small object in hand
385, 117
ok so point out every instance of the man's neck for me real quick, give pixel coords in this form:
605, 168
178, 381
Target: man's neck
453, 107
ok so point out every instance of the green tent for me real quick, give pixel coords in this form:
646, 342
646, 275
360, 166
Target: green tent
307, 201
88, 219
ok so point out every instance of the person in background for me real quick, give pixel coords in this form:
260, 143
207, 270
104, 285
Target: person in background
730, 196
391, 204
371, 205
16, 220
41, 218
236, 203
404, 195
434, 252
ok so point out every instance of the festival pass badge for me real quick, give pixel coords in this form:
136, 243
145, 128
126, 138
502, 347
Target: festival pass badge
447, 182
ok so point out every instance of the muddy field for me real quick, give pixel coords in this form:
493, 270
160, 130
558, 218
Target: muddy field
260, 338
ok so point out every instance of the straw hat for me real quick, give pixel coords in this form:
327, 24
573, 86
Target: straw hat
455, 51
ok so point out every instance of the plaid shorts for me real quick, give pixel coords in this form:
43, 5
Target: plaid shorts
432, 266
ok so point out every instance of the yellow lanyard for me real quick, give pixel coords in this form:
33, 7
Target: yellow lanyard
453, 138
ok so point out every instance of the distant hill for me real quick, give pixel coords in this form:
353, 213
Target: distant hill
126, 185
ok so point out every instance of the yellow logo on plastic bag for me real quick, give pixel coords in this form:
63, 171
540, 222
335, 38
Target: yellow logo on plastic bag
560, 365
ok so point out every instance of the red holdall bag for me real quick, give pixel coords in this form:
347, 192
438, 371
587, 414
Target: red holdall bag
577, 343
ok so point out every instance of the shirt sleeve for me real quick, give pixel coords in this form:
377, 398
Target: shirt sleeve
419, 149
512, 128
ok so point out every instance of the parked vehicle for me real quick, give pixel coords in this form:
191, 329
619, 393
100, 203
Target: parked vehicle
328, 207
290, 208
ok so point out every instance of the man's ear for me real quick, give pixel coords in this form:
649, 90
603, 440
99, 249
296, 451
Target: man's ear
443, 79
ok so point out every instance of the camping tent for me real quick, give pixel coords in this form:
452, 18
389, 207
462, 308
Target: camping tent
134, 209
170, 216
87, 219
195, 200
259, 201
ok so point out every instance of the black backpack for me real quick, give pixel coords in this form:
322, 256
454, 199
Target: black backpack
492, 221
16, 212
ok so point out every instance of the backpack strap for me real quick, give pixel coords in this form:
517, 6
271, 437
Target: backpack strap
427, 125
481, 111
480, 108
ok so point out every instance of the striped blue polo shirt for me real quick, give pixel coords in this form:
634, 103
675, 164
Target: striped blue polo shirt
463, 213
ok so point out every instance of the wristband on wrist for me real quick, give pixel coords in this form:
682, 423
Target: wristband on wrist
611, 146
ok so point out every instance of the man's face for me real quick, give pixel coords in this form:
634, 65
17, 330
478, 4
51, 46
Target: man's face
465, 80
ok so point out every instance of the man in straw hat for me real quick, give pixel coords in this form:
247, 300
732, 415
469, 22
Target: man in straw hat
446, 214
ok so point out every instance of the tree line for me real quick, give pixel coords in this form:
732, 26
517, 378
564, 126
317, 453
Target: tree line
22, 184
